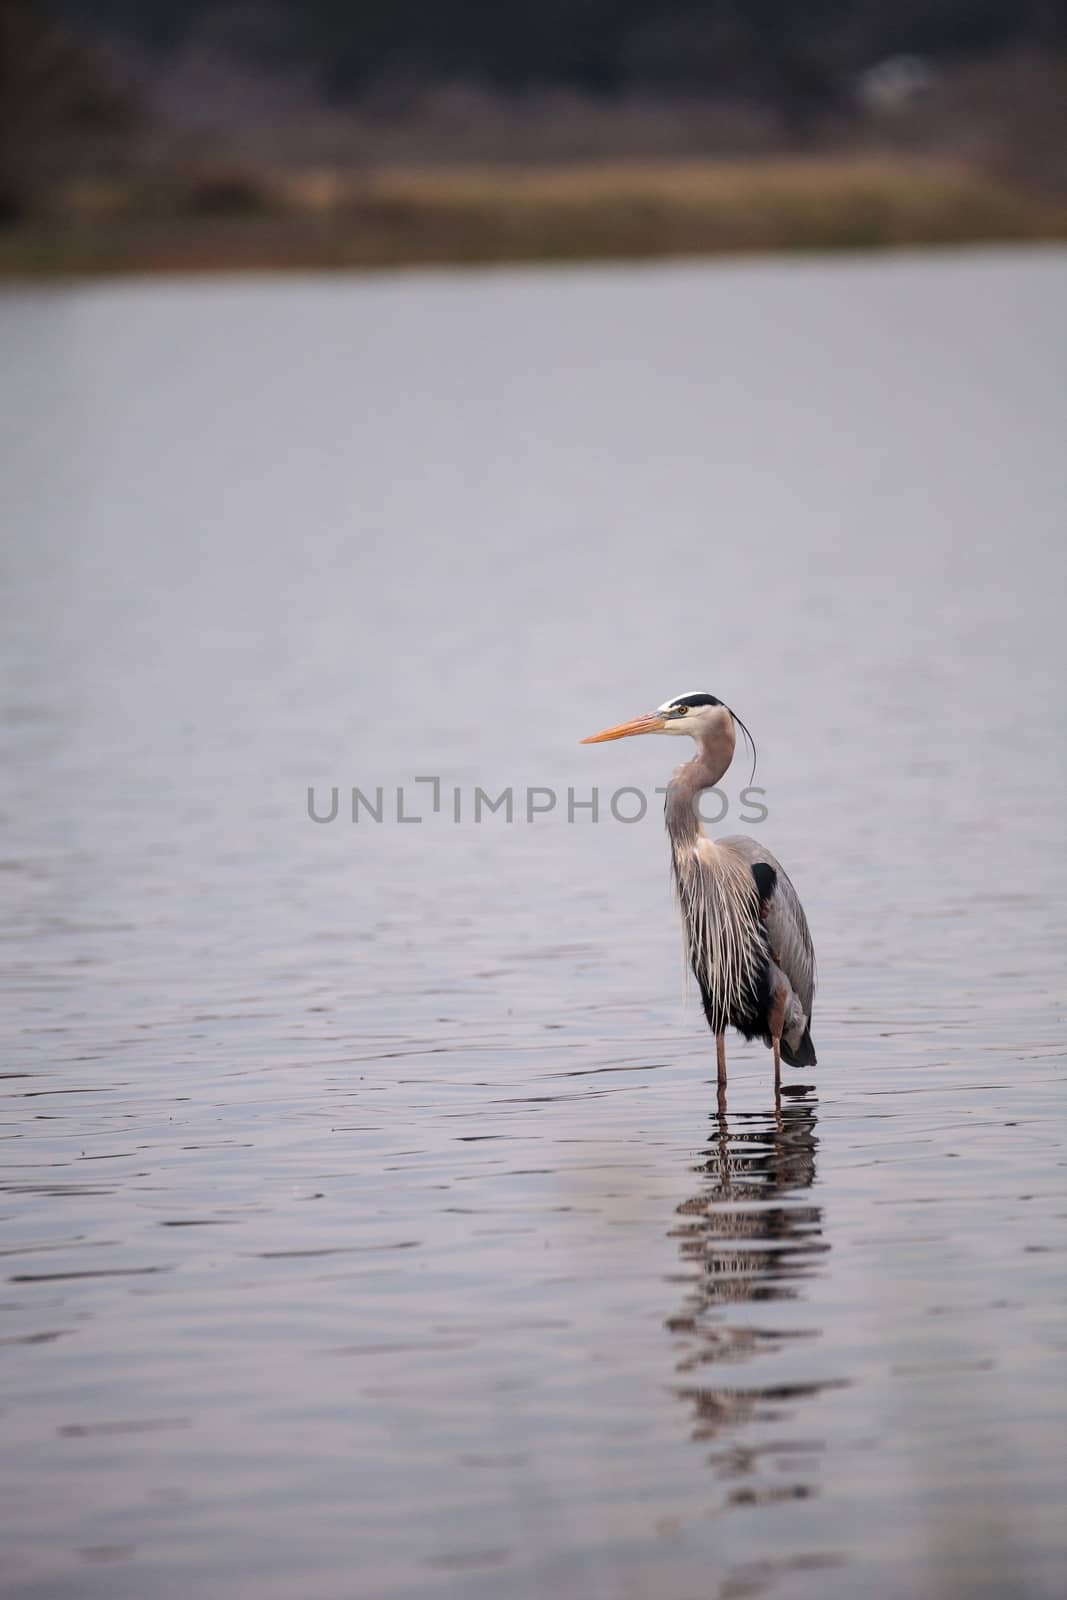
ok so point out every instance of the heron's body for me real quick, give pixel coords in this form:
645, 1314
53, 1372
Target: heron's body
746, 935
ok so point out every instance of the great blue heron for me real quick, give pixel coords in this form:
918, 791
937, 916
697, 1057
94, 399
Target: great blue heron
745, 931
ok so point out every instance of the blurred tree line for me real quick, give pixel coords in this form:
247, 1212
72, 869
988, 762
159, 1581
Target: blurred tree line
794, 54
80, 80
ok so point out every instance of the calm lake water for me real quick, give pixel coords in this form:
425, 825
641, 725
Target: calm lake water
368, 1225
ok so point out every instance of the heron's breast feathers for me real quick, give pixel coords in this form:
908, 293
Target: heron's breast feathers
726, 942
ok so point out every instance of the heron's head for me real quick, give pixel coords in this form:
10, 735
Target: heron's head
701, 716
694, 714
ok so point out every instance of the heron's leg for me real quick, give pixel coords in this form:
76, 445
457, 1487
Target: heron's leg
776, 1022
720, 1056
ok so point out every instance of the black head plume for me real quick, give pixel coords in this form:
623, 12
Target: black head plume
748, 736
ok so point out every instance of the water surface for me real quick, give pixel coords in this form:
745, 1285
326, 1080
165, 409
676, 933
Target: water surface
370, 1225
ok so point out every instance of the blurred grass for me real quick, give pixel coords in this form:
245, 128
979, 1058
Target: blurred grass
235, 219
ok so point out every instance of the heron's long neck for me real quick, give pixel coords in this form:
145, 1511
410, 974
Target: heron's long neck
714, 753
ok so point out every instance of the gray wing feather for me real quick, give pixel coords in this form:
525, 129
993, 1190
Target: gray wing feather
786, 924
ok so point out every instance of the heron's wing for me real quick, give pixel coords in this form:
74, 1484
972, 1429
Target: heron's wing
787, 926
790, 939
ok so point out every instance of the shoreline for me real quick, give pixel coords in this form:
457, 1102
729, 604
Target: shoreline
228, 220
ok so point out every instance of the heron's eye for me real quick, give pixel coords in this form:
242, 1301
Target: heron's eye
680, 711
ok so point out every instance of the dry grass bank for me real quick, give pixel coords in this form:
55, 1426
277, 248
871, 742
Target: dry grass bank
234, 220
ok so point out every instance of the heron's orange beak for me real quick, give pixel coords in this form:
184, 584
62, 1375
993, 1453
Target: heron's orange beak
651, 723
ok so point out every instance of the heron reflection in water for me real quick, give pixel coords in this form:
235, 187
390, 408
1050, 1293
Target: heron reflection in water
745, 1239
